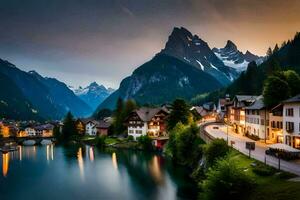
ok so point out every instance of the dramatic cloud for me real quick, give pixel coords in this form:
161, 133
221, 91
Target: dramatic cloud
105, 40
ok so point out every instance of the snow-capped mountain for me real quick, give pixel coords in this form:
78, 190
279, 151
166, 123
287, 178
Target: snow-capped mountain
232, 57
93, 94
191, 49
184, 68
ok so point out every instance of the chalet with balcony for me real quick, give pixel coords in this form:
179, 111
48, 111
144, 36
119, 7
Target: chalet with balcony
148, 121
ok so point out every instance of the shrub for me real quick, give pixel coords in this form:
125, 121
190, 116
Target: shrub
145, 142
226, 181
130, 138
263, 170
215, 150
100, 141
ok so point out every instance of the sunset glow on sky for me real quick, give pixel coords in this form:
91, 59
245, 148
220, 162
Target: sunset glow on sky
105, 40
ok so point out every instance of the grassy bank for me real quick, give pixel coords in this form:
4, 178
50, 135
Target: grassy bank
270, 183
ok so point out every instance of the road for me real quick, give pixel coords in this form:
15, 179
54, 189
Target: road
258, 153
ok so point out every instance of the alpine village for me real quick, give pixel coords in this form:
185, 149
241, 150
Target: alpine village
194, 122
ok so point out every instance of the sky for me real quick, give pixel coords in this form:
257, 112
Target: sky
81, 41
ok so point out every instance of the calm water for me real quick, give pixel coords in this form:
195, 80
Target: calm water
48, 172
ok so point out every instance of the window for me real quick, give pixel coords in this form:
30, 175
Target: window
289, 112
130, 131
289, 126
262, 122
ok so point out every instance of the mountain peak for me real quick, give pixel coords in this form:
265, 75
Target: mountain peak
230, 45
93, 84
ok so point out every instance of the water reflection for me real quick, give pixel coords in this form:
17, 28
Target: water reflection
49, 152
114, 160
80, 163
20, 152
5, 163
155, 170
91, 154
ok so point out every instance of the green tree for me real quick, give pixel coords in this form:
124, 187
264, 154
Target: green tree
103, 113
269, 52
118, 118
180, 113
293, 80
276, 49
130, 106
227, 181
188, 151
69, 128
121, 113
215, 150
183, 145
275, 90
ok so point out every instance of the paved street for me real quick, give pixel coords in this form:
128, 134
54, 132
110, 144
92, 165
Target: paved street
260, 148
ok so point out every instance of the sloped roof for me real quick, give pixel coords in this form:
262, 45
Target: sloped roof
245, 97
103, 124
294, 99
146, 113
257, 104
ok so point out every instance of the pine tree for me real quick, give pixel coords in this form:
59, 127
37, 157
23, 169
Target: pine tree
69, 128
269, 52
180, 113
276, 49
118, 118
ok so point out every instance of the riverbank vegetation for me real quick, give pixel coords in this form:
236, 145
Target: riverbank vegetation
224, 173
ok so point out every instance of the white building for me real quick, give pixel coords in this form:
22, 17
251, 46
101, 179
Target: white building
30, 131
291, 121
276, 124
91, 128
257, 119
147, 121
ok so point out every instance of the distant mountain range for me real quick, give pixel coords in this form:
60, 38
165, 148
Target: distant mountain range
185, 67
45, 98
232, 57
93, 94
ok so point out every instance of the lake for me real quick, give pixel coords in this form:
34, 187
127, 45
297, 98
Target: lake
84, 172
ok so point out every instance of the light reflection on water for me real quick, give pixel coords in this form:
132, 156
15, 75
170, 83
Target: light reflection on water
5, 163
114, 160
84, 172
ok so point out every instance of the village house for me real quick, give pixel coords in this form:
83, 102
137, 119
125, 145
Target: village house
237, 112
222, 108
91, 128
95, 127
291, 121
257, 119
276, 124
30, 131
8, 128
147, 121
45, 130
205, 112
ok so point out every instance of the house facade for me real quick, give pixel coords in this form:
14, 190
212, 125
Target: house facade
30, 131
257, 119
291, 121
147, 121
276, 124
96, 127
90, 128
237, 112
